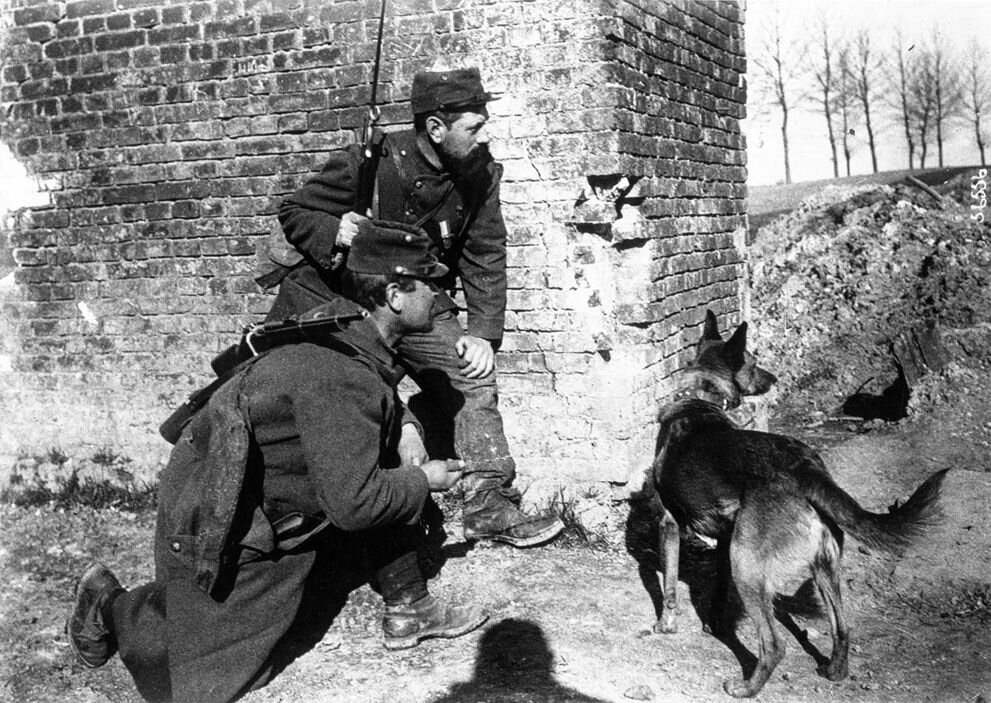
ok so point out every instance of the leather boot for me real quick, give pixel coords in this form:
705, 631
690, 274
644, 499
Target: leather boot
490, 515
406, 626
89, 633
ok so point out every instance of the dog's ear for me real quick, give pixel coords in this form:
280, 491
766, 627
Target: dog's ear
736, 347
711, 328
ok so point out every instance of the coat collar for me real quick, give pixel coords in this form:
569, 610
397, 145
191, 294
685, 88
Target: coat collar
365, 337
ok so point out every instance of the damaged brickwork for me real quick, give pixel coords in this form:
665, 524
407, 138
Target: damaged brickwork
164, 135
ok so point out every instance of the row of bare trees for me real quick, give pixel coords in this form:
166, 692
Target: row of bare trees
862, 85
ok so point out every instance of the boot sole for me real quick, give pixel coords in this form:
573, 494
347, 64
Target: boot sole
520, 542
80, 656
87, 660
397, 643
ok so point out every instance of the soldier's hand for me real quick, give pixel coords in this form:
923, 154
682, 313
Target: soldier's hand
477, 355
411, 449
349, 228
442, 474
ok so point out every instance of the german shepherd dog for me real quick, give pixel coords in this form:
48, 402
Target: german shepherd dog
768, 499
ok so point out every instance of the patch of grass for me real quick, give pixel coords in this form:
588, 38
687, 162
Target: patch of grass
54, 455
576, 533
28, 487
105, 456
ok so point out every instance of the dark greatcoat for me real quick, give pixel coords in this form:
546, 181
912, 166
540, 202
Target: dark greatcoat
408, 190
321, 429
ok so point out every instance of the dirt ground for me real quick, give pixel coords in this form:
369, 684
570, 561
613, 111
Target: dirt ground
569, 623
833, 285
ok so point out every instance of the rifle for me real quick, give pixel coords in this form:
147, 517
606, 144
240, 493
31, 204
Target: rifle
256, 341
371, 146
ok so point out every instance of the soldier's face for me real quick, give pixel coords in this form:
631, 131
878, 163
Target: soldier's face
417, 307
464, 145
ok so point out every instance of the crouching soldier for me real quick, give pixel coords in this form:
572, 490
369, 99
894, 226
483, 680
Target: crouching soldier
305, 435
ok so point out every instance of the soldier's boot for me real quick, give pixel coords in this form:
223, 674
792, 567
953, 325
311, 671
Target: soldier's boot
87, 628
406, 625
490, 515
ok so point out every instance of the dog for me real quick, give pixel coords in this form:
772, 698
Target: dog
766, 498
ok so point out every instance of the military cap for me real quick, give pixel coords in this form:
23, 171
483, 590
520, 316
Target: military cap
384, 248
447, 90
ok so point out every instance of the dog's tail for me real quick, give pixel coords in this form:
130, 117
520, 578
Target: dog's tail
891, 531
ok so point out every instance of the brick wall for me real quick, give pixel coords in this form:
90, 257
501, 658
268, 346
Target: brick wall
165, 134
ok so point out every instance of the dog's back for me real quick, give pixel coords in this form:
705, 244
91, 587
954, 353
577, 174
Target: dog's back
705, 465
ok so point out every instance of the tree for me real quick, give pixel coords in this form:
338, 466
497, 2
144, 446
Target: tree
827, 82
903, 61
866, 65
946, 88
922, 100
845, 103
778, 61
976, 96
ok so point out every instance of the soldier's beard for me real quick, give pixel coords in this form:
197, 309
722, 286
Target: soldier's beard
469, 166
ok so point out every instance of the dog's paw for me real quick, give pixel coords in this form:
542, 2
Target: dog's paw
738, 688
667, 625
834, 671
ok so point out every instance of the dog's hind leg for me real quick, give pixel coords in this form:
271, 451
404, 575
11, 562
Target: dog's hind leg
759, 605
826, 573
668, 546
749, 566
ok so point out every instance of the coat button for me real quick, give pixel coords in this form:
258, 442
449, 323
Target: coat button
176, 547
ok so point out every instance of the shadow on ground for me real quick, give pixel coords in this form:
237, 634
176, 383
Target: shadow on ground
515, 662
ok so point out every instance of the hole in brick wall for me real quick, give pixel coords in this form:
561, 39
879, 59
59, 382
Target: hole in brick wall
607, 201
600, 229
628, 244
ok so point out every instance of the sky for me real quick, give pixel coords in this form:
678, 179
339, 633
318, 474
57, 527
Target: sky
958, 20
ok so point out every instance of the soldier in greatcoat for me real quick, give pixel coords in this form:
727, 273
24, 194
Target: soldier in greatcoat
299, 445
439, 176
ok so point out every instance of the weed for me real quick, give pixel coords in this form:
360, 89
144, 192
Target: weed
107, 457
72, 491
576, 533
55, 456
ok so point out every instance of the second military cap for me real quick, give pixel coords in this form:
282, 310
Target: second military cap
384, 248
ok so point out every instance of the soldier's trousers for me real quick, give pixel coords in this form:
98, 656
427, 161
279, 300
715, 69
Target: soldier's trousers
465, 408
